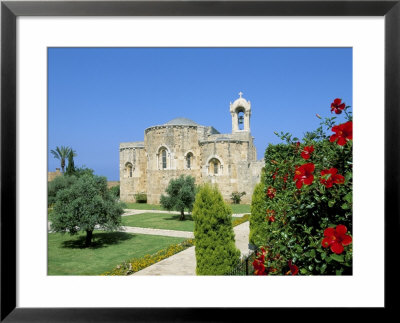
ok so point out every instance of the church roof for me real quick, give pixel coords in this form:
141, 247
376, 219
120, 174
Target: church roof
181, 122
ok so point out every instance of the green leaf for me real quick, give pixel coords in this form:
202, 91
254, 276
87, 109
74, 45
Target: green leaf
345, 206
323, 268
348, 197
339, 272
331, 203
303, 271
338, 258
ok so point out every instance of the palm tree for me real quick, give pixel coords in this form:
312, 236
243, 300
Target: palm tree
62, 153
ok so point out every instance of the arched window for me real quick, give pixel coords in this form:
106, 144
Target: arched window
163, 158
214, 167
240, 116
189, 160
128, 170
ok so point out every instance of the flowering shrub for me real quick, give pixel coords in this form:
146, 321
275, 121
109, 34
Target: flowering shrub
308, 202
238, 221
134, 265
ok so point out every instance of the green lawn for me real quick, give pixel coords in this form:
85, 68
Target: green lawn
160, 221
143, 206
236, 208
67, 256
240, 208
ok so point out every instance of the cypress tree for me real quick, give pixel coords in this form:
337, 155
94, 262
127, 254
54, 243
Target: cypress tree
258, 214
216, 253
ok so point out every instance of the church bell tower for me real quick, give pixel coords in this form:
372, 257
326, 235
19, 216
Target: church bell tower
240, 111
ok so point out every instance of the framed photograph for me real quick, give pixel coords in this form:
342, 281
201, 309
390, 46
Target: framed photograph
107, 72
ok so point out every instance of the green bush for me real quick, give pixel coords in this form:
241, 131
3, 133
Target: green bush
236, 197
308, 190
115, 190
141, 198
258, 215
216, 253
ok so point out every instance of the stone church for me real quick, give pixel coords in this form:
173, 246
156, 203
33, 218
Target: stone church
181, 146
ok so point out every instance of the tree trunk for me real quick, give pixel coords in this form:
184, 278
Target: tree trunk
88, 240
182, 216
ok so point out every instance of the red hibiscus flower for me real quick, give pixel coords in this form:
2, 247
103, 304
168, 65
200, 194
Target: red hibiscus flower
293, 269
270, 215
336, 238
303, 175
271, 192
258, 263
307, 150
330, 177
343, 133
337, 106
259, 268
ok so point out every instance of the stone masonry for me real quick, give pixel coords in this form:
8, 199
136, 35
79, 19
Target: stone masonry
181, 146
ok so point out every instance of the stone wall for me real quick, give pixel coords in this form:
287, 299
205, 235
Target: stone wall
112, 183
178, 142
133, 182
53, 175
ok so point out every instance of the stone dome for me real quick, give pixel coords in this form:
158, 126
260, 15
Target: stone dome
181, 122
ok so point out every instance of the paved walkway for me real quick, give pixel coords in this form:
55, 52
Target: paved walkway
184, 262
159, 232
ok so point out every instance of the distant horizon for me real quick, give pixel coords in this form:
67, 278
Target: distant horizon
100, 97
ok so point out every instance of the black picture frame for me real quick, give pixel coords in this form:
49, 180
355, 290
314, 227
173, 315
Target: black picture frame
10, 10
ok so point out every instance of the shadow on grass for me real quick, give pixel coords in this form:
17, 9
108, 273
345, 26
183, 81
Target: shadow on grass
99, 240
176, 217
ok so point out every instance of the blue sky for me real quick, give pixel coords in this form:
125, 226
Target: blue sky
99, 97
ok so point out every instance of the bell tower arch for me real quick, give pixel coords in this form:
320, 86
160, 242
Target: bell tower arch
240, 111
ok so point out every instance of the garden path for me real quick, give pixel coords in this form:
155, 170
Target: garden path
133, 211
184, 262
159, 232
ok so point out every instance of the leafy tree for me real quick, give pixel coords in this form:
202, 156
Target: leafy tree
62, 154
216, 253
57, 184
85, 204
80, 171
65, 181
181, 194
